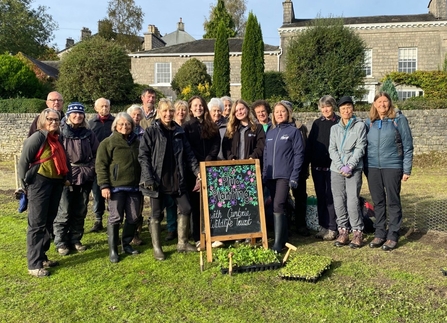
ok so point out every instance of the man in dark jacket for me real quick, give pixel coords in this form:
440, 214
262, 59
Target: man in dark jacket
101, 125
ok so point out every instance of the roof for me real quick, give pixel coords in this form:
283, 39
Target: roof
201, 46
177, 37
371, 20
45, 68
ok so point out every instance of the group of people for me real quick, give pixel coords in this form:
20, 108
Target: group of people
155, 152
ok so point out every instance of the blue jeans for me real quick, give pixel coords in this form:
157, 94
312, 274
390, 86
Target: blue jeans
346, 193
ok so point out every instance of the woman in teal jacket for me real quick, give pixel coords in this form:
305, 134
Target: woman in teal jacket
390, 159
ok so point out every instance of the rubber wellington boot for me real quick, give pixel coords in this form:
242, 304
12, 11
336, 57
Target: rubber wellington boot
113, 238
182, 231
280, 223
155, 235
128, 234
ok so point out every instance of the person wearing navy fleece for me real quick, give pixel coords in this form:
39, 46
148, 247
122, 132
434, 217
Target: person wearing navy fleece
283, 158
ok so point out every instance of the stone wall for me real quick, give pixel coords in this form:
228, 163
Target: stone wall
429, 128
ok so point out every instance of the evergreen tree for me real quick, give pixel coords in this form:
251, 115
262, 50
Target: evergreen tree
388, 87
326, 58
219, 14
252, 64
221, 74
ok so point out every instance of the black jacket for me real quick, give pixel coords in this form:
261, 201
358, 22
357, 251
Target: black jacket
152, 152
102, 130
204, 149
253, 147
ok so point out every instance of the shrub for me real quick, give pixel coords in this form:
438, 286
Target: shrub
22, 105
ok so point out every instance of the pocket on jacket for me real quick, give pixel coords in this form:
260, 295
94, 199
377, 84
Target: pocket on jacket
31, 173
115, 172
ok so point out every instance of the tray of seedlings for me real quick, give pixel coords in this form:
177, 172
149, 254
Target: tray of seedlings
305, 267
245, 258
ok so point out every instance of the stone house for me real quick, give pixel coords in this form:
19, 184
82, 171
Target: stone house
403, 43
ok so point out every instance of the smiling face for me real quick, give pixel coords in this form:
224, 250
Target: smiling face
382, 105
281, 114
327, 111
180, 114
346, 112
123, 126
76, 119
52, 122
261, 114
197, 108
148, 100
136, 116
227, 108
241, 113
216, 113
166, 115
55, 101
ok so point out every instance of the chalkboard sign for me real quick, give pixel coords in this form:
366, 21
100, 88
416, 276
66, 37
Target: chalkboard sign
232, 200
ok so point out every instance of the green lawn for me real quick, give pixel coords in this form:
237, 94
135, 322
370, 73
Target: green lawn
365, 285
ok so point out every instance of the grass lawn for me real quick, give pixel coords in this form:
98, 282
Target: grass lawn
364, 285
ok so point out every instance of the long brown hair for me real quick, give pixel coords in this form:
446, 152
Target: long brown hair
374, 115
234, 122
209, 128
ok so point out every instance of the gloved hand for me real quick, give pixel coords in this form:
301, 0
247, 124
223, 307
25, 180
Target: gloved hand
293, 184
346, 171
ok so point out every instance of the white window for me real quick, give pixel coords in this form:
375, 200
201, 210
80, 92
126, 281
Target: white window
163, 73
209, 68
403, 95
368, 63
407, 60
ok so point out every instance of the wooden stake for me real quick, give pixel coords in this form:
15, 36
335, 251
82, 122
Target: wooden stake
230, 267
291, 247
201, 261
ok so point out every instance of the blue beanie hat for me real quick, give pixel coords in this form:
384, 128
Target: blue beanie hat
75, 107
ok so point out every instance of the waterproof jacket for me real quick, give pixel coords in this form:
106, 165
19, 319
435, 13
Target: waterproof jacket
318, 142
152, 152
347, 144
30, 148
254, 142
117, 161
283, 152
81, 147
102, 129
390, 144
204, 149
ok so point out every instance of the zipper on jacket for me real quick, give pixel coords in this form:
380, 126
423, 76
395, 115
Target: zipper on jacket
274, 153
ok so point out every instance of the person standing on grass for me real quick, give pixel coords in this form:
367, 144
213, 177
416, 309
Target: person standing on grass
54, 101
283, 159
118, 172
81, 146
101, 125
390, 160
346, 148
320, 162
43, 170
164, 154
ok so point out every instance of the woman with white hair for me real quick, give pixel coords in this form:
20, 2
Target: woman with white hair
283, 158
136, 113
216, 108
228, 103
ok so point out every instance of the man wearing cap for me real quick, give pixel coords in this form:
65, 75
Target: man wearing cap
54, 101
101, 125
80, 144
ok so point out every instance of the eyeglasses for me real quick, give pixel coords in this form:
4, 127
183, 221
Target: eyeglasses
55, 100
125, 124
51, 120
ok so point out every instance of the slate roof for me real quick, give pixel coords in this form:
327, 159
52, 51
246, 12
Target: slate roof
371, 20
201, 46
177, 37
45, 68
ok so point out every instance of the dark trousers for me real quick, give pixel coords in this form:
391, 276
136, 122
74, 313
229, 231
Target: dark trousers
158, 204
171, 213
384, 186
279, 191
69, 223
300, 196
325, 202
99, 203
195, 213
124, 204
43, 201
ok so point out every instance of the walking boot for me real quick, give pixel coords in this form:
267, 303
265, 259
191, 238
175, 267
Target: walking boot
113, 238
357, 241
136, 241
97, 227
182, 231
128, 233
280, 224
155, 235
343, 237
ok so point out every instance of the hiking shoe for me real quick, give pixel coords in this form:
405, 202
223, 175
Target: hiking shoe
63, 250
343, 238
357, 241
40, 272
49, 263
79, 247
136, 241
376, 242
330, 235
389, 245
321, 233
97, 227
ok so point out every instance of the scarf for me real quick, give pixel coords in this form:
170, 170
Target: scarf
103, 119
58, 153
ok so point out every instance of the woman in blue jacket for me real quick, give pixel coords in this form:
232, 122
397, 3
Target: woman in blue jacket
390, 159
283, 158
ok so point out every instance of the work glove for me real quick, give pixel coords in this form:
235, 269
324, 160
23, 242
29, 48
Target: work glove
293, 184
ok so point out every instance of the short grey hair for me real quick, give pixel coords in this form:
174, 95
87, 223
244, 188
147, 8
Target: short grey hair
216, 102
226, 98
134, 107
123, 115
327, 100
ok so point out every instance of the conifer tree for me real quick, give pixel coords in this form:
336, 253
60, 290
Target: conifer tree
221, 74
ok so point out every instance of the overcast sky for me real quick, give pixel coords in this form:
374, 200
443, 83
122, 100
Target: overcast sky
164, 14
